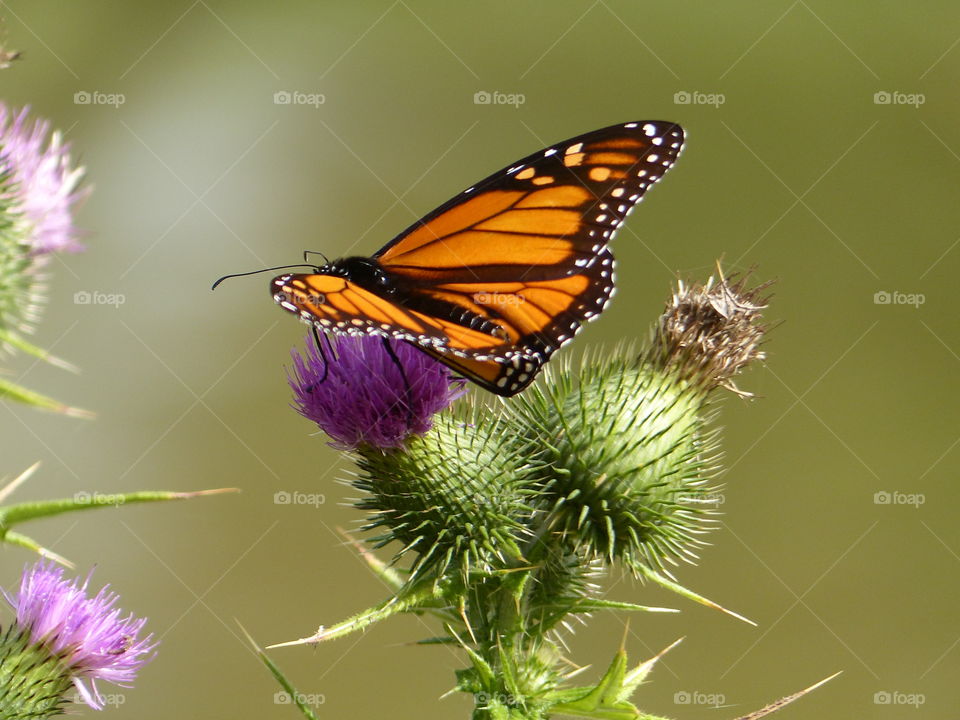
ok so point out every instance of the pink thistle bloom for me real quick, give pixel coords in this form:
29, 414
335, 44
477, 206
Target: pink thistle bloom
357, 393
89, 633
45, 185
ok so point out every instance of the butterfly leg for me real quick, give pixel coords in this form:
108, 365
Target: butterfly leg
323, 354
403, 374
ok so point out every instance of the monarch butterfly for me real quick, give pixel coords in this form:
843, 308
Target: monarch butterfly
492, 282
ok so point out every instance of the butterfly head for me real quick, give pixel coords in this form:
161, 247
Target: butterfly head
363, 271
293, 289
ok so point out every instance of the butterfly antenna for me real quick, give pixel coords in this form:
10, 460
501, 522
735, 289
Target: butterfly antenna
408, 391
269, 269
308, 253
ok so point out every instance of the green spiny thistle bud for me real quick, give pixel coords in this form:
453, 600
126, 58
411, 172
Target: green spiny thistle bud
624, 444
623, 450
519, 681
453, 496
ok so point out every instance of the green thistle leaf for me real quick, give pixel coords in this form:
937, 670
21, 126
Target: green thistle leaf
12, 391
291, 692
13, 515
12, 340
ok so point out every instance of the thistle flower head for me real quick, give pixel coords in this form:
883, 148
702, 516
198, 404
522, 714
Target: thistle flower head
44, 182
370, 391
710, 332
38, 193
61, 629
626, 443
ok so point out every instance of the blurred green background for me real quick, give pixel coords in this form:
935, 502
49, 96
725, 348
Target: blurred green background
801, 170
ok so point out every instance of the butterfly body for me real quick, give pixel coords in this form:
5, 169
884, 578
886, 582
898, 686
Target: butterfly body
496, 279
363, 271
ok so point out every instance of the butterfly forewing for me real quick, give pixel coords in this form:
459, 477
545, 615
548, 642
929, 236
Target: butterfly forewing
557, 205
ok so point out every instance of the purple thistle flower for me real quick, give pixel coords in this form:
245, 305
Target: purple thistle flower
358, 395
45, 184
88, 634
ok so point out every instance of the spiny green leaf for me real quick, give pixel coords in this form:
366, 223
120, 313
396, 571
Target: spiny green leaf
591, 604
414, 597
14, 340
603, 701
668, 584
14, 538
291, 691
14, 514
18, 393
11, 515
783, 702
632, 679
